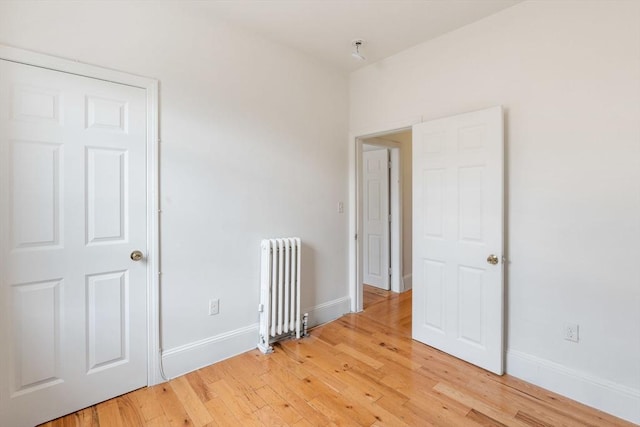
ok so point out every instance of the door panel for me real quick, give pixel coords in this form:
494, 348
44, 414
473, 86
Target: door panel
107, 319
458, 223
375, 176
106, 201
72, 209
36, 327
35, 194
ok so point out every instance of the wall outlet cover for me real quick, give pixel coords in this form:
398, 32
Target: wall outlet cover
214, 306
571, 332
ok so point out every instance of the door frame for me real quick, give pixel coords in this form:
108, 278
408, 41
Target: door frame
355, 209
21, 56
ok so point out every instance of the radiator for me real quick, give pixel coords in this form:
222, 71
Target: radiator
279, 307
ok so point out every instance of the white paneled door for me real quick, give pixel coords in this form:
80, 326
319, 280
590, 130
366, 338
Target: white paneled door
458, 236
375, 199
72, 211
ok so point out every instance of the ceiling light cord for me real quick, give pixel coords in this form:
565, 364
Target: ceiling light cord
357, 44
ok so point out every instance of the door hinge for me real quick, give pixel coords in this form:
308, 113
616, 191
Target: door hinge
390, 164
389, 217
355, 237
389, 271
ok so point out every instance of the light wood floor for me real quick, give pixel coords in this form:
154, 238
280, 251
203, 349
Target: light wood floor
361, 370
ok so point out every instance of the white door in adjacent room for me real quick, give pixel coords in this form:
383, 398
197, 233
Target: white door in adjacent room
458, 236
375, 199
72, 216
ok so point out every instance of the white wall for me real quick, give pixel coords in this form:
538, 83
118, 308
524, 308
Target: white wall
252, 147
568, 75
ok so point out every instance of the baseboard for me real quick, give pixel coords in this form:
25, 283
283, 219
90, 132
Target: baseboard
328, 311
189, 357
607, 396
407, 282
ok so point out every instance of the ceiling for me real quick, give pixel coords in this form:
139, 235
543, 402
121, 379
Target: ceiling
325, 28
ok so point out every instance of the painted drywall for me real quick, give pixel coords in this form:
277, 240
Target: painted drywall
253, 146
568, 75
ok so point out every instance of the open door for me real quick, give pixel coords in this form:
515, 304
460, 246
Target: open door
375, 199
458, 236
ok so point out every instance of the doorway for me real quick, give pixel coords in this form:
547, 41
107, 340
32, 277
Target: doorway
458, 236
384, 213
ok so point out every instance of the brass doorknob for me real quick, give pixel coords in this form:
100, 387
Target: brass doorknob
137, 255
492, 259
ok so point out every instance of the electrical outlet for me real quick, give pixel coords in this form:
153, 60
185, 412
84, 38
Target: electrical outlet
571, 332
214, 306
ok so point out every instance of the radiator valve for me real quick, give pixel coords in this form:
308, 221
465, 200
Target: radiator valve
305, 324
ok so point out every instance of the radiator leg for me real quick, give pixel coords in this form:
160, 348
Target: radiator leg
264, 346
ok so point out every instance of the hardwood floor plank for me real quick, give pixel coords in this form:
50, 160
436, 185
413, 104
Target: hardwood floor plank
240, 382
234, 399
553, 401
438, 413
191, 401
290, 393
531, 421
404, 413
375, 364
109, 414
484, 410
282, 358
484, 420
211, 373
85, 418
333, 413
284, 409
174, 412
221, 413
381, 415
160, 421
199, 386
129, 413
327, 378
269, 417
373, 295
147, 403
529, 404
307, 388
360, 370
304, 423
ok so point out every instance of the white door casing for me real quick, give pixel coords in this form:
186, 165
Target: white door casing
458, 224
73, 197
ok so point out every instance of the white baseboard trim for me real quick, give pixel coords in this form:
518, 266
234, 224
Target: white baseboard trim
190, 357
407, 282
328, 311
610, 397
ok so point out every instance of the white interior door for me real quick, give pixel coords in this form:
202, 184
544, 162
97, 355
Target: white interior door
72, 210
375, 199
458, 236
